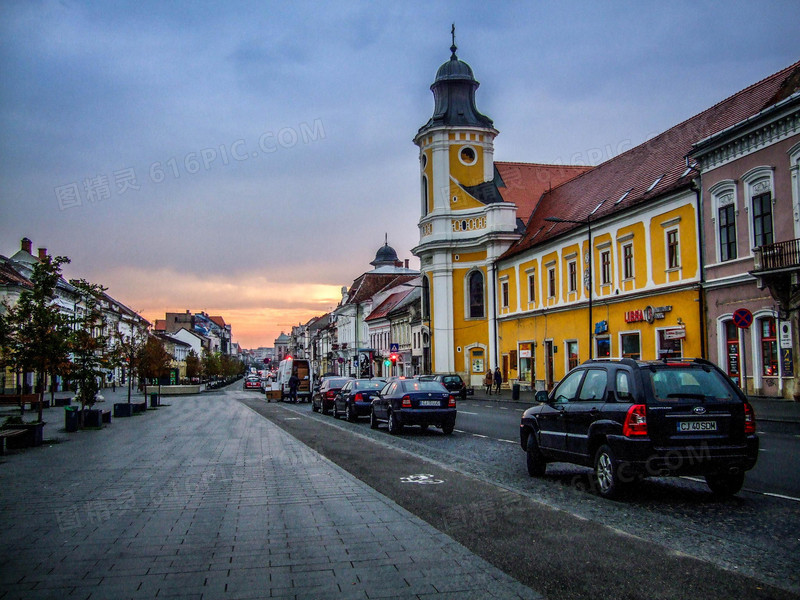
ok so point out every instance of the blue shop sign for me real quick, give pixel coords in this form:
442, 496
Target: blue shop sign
601, 327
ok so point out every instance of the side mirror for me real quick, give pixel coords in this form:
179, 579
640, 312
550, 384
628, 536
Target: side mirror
541, 396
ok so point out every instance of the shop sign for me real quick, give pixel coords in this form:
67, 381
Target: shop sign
601, 327
786, 334
675, 333
787, 368
649, 314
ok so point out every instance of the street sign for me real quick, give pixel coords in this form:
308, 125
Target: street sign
394, 347
742, 318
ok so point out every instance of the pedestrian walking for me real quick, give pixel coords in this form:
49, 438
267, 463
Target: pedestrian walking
294, 383
498, 379
487, 382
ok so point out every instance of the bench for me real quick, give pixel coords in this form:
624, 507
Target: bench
7, 433
19, 400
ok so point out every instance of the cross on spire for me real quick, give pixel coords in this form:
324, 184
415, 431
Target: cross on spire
453, 48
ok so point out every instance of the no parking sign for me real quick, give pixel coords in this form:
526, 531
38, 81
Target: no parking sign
742, 318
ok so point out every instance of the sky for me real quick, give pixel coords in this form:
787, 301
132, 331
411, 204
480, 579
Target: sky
247, 159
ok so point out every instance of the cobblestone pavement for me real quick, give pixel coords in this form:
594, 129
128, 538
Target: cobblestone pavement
206, 499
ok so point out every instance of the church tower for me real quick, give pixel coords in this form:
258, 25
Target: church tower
464, 225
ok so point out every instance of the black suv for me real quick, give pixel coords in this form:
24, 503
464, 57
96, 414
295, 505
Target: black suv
632, 419
452, 381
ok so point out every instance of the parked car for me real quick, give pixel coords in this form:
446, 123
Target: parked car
355, 398
414, 402
322, 400
252, 382
632, 419
452, 381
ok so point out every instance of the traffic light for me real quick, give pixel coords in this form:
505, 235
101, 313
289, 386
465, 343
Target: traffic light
393, 358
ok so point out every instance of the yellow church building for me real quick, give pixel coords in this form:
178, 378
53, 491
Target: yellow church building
536, 268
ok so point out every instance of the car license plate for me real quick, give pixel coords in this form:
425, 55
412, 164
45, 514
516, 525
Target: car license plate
429, 402
697, 426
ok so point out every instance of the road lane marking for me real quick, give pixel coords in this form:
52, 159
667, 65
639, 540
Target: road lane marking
508, 441
781, 496
486, 437
464, 412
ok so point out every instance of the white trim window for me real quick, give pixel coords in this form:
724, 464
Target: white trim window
572, 277
758, 188
551, 282
725, 212
605, 267
673, 246
627, 262
504, 292
532, 287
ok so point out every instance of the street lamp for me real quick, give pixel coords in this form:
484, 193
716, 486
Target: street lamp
588, 224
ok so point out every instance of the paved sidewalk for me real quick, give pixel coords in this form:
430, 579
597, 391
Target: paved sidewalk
206, 499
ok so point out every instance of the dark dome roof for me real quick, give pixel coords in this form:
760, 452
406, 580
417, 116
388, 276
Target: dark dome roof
385, 255
454, 69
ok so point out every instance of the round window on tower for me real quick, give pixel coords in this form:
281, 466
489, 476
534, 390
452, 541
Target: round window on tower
468, 156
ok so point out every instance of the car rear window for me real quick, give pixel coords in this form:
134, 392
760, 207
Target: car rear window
337, 382
423, 386
369, 385
676, 384
452, 379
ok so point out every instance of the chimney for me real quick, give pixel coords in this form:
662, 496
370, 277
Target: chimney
42, 253
27, 245
406, 263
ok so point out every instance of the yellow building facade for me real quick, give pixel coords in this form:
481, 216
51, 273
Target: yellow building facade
645, 293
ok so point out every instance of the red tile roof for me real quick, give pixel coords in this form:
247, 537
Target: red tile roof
369, 284
219, 321
385, 307
526, 182
629, 176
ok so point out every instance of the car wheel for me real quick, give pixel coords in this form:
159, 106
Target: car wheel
349, 414
725, 484
606, 473
537, 465
373, 420
395, 426
447, 428
314, 407
323, 410
335, 410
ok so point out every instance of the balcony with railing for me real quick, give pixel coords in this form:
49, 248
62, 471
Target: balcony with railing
780, 257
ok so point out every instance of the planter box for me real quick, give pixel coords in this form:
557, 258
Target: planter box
123, 409
139, 407
93, 417
31, 437
63, 401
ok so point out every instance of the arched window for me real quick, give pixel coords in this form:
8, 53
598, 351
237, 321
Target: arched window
424, 195
476, 295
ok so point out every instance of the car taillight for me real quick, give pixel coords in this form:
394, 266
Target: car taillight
406, 401
358, 397
330, 394
451, 403
749, 419
635, 421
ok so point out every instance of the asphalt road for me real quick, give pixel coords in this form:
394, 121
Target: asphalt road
776, 472
551, 533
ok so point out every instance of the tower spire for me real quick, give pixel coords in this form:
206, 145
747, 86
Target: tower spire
453, 47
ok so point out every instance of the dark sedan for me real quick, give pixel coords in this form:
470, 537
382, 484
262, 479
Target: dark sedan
452, 381
322, 400
414, 402
355, 398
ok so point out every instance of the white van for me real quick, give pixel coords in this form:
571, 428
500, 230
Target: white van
303, 370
